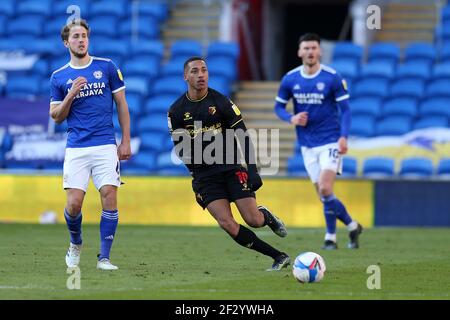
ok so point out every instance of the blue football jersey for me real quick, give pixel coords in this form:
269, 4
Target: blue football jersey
90, 117
317, 94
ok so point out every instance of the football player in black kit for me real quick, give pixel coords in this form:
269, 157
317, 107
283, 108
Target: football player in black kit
204, 112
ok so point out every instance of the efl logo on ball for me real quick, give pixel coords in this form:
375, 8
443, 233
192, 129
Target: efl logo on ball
308, 267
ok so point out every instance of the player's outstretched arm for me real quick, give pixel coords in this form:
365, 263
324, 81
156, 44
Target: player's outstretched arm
59, 112
124, 149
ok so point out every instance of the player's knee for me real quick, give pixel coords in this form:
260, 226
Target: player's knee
325, 190
73, 207
255, 220
229, 225
109, 197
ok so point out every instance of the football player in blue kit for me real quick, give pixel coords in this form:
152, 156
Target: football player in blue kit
322, 122
82, 93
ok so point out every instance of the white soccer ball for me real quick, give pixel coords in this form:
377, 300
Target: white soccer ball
309, 267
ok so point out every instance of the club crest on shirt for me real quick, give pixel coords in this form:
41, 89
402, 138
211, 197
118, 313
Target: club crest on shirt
320, 86
98, 74
212, 110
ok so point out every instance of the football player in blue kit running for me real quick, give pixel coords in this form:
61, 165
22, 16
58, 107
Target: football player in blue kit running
322, 122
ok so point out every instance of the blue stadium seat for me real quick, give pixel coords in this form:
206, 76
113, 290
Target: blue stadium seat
172, 69
220, 84
435, 107
53, 26
444, 167
144, 162
421, 53
349, 166
218, 66
55, 64
102, 26
160, 103
41, 7
183, 49
43, 46
20, 165
441, 71
158, 10
10, 44
145, 27
223, 49
155, 141
60, 8
153, 48
445, 53
393, 126
370, 88
3, 26
26, 25
412, 88
362, 126
384, 52
347, 50
44, 89
412, 70
377, 70
105, 48
170, 85
347, 68
378, 167
445, 14
296, 167
7, 7
431, 122
153, 123
168, 160
114, 8
23, 86
137, 85
41, 68
438, 88
148, 68
365, 106
400, 107
416, 167
134, 101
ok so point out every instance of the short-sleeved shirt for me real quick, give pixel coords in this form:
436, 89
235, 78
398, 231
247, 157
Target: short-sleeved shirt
90, 117
317, 94
210, 116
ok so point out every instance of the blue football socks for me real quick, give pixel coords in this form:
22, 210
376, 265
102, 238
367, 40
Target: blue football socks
74, 226
108, 226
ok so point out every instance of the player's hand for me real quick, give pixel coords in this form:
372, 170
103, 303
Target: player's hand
342, 145
300, 119
77, 85
124, 151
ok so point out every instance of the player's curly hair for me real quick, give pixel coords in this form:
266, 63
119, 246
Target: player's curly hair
75, 22
309, 37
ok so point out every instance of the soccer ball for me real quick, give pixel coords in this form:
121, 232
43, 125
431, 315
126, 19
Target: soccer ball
309, 267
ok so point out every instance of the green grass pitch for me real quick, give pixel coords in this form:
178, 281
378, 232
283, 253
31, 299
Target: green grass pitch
163, 262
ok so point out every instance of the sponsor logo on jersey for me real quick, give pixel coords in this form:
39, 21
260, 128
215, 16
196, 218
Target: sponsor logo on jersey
309, 98
98, 74
212, 110
91, 89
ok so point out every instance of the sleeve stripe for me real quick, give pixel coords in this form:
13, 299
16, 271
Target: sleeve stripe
236, 123
343, 97
281, 100
55, 102
119, 89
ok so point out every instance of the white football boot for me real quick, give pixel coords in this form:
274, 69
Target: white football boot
73, 255
105, 264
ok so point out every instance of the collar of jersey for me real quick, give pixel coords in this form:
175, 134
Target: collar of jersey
187, 96
81, 67
310, 76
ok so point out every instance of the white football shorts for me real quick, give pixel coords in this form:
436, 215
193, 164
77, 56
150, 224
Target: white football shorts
320, 158
99, 162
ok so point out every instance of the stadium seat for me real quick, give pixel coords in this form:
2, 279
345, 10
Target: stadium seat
349, 166
347, 68
218, 66
393, 126
59, 8
41, 68
444, 167
412, 70
183, 49
26, 25
416, 167
407, 88
170, 85
153, 123
23, 86
151, 48
444, 55
445, 14
421, 53
114, 8
44, 89
384, 52
144, 162
155, 141
362, 126
148, 68
137, 84
365, 106
441, 71
145, 27
172, 69
41, 7
377, 70
3, 26
160, 103
223, 49
370, 88
158, 10
347, 51
105, 48
296, 167
7, 8
438, 88
375, 167
220, 84
59, 62
435, 107
168, 160
431, 122
134, 101
400, 107
101, 26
